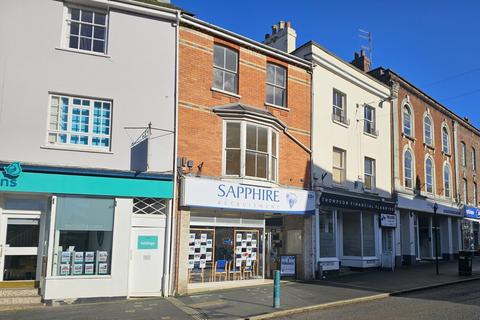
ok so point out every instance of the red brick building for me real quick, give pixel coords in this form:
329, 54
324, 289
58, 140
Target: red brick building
244, 143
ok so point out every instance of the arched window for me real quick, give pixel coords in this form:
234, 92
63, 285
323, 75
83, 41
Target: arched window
408, 169
407, 120
474, 160
475, 194
445, 140
446, 181
463, 150
429, 175
427, 130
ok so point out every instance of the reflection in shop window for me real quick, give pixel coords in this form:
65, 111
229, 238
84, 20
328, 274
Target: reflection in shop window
327, 235
83, 236
222, 254
358, 234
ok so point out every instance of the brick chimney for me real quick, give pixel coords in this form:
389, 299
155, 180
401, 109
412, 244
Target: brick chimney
283, 37
361, 61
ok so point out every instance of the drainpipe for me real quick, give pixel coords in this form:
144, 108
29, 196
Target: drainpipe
312, 186
167, 279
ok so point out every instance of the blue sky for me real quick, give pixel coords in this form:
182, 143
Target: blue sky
433, 44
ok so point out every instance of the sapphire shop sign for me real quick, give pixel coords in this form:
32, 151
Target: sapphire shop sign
471, 212
209, 193
10, 174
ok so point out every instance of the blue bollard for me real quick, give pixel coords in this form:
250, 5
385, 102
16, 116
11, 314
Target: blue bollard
276, 289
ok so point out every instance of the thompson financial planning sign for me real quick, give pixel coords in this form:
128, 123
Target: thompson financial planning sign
209, 193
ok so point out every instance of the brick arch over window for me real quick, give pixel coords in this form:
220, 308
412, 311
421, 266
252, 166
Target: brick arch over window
446, 139
408, 119
428, 129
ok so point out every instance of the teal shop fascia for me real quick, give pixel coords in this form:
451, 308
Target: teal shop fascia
18, 177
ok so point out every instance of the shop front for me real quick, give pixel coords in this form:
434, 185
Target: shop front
470, 228
239, 232
420, 229
354, 231
71, 232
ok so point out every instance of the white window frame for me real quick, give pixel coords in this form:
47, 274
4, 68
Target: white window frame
412, 169
224, 69
463, 153
277, 86
425, 137
410, 112
65, 42
372, 175
68, 132
449, 196
342, 109
272, 176
342, 168
432, 174
372, 122
445, 147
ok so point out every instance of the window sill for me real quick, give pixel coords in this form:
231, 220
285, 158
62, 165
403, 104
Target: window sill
343, 124
429, 146
82, 277
88, 53
277, 107
375, 136
77, 149
337, 185
446, 154
406, 136
228, 93
251, 181
371, 191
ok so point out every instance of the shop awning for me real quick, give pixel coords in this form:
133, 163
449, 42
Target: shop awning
471, 213
330, 199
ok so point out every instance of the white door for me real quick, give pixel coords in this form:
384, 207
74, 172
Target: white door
146, 265
19, 247
387, 248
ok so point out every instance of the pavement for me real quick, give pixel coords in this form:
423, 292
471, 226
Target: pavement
256, 302
460, 301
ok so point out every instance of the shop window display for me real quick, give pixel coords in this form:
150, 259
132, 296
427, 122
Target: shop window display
358, 234
83, 236
222, 254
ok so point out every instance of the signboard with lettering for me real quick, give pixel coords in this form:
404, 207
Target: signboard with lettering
147, 242
209, 193
388, 220
346, 202
471, 212
288, 265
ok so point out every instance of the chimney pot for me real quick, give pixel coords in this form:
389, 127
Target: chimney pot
281, 25
288, 24
361, 61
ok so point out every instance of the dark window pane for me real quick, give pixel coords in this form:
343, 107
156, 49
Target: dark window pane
218, 56
270, 73
98, 46
100, 18
230, 82
262, 139
85, 44
262, 165
279, 96
20, 268
74, 28
99, 32
87, 16
75, 14
218, 79
270, 94
231, 60
73, 42
280, 77
23, 234
250, 164
251, 137
274, 144
86, 30
233, 135
233, 162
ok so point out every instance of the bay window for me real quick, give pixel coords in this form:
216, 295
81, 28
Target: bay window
251, 150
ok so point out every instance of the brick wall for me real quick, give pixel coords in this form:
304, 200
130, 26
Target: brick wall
471, 138
200, 130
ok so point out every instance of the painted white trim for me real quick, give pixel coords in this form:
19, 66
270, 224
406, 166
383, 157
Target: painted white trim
434, 191
432, 129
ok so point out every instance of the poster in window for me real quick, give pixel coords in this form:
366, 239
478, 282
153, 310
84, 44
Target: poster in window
203, 263
208, 256
249, 237
244, 243
197, 243
209, 243
89, 268
191, 250
254, 243
203, 237
65, 257
191, 264
77, 269
249, 250
197, 256
102, 256
78, 257
203, 249
238, 250
248, 262
239, 237
238, 263
102, 268
89, 256
191, 238
254, 256
64, 269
